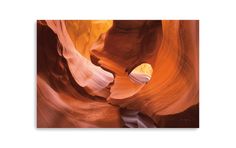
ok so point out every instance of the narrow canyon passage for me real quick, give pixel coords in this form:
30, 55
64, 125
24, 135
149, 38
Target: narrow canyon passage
121, 73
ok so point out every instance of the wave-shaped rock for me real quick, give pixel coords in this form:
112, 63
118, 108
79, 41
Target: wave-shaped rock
105, 86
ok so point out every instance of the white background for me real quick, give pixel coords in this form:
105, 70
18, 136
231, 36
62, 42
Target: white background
18, 73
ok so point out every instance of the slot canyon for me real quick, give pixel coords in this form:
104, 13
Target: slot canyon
117, 73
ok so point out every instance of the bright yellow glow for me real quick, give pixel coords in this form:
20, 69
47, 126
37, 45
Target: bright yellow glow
144, 69
85, 32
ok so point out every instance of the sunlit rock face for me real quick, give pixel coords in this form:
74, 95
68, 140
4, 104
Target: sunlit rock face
84, 33
121, 73
142, 73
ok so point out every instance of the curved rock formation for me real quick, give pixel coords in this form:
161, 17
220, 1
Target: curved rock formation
104, 83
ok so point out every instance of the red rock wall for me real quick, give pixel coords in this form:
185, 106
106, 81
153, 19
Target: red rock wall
76, 92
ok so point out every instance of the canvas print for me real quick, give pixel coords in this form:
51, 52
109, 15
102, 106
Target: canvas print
117, 73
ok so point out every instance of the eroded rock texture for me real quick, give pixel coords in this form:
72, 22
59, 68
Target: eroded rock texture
121, 73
